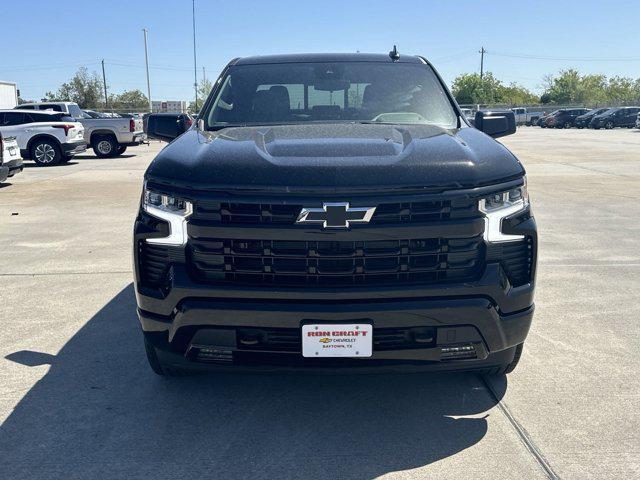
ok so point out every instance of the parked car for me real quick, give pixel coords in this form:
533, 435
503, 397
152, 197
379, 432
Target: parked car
468, 113
10, 159
284, 228
108, 137
583, 121
524, 117
130, 115
4, 169
46, 137
616, 117
542, 121
564, 117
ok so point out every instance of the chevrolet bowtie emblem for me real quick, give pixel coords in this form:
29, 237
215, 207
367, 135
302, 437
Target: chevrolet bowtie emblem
336, 215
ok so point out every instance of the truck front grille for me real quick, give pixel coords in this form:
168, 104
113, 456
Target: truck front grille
331, 263
154, 263
516, 259
286, 214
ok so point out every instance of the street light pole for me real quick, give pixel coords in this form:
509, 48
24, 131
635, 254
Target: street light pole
146, 61
195, 67
104, 81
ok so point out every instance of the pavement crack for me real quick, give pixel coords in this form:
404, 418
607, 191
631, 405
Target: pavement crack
524, 436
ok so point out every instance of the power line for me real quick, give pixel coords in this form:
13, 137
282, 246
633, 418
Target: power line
577, 59
50, 66
152, 67
453, 56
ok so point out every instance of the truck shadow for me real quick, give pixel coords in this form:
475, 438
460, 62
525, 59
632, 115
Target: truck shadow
100, 412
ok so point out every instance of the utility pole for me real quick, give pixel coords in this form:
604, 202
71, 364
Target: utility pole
104, 81
195, 67
482, 52
146, 61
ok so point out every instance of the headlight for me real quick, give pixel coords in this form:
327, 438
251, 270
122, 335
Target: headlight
500, 205
171, 209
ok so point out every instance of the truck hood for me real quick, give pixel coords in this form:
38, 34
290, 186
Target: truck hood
334, 157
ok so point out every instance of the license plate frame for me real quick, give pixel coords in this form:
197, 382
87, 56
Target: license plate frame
342, 340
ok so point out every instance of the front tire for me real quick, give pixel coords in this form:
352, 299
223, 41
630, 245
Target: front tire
121, 149
609, 125
105, 146
45, 152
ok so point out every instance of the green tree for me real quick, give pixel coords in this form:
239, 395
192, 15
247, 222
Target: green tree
129, 101
470, 89
592, 90
623, 90
565, 88
514, 94
569, 87
204, 87
84, 88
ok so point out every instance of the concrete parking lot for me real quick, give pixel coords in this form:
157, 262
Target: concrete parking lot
77, 399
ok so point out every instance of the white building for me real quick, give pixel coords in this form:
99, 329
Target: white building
170, 106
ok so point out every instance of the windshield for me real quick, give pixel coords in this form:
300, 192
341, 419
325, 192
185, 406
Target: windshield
298, 93
74, 110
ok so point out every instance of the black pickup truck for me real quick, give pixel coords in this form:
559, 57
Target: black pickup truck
334, 211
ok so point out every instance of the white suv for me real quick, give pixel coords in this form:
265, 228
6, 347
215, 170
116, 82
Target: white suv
46, 137
10, 160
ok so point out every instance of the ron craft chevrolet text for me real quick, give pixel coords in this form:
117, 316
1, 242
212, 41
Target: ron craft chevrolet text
334, 211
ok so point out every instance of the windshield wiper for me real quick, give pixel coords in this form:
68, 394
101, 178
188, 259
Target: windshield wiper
215, 128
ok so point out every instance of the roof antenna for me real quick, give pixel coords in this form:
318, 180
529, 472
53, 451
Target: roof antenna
394, 55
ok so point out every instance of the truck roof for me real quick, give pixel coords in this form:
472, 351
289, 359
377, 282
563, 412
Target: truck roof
26, 110
324, 58
49, 103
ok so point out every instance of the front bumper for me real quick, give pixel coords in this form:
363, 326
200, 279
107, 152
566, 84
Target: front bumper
217, 325
73, 148
14, 166
490, 314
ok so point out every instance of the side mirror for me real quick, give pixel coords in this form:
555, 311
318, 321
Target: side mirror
167, 126
496, 123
